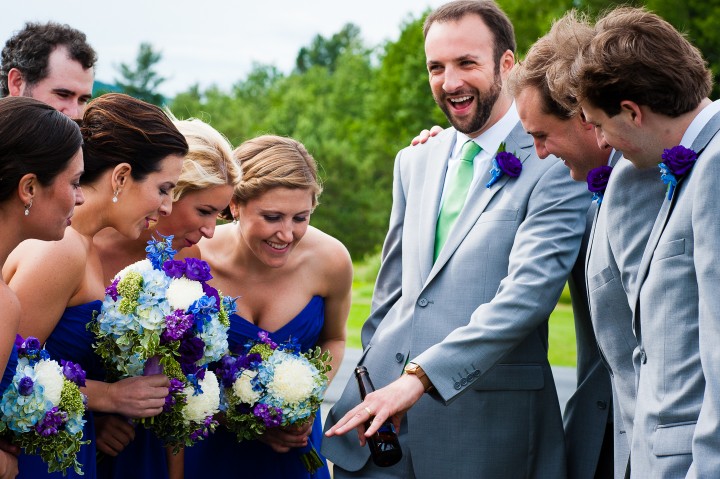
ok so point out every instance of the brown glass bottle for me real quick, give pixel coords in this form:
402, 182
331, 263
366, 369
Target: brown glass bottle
384, 444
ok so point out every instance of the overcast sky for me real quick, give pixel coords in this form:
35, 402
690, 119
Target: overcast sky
211, 41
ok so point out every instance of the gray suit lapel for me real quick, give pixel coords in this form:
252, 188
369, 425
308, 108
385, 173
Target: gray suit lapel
703, 138
438, 156
518, 143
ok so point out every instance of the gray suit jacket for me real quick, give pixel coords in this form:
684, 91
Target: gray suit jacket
620, 233
677, 417
475, 319
587, 411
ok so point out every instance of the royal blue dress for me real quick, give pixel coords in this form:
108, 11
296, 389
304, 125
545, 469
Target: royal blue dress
71, 340
143, 458
221, 455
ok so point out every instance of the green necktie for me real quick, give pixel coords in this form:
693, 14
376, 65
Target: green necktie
457, 190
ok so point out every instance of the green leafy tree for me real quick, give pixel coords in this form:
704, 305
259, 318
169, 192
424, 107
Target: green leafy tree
324, 52
142, 81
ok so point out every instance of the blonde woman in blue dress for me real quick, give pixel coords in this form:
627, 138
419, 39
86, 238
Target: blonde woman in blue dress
204, 189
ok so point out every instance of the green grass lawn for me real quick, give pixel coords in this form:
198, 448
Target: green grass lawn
562, 328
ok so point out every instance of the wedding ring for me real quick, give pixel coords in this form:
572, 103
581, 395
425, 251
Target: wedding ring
369, 411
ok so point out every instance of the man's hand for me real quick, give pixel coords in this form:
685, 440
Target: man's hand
425, 135
392, 402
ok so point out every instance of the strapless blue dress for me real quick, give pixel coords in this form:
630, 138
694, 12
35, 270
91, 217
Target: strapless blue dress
70, 340
221, 455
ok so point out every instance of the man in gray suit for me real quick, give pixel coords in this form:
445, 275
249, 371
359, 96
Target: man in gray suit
645, 87
472, 321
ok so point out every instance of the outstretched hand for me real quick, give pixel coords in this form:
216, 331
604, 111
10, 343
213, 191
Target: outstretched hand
392, 402
425, 135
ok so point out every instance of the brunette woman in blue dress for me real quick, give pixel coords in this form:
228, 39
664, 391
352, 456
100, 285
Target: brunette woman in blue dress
133, 156
40, 166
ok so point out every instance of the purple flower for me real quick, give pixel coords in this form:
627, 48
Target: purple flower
265, 338
73, 372
204, 431
211, 293
504, 163
679, 160
51, 423
29, 347
191, 350
509, 164
176, 386
176, 325
174, 268
152, 366
271, 416
227, 369
197, 270
112, 289
25, 386
597, 179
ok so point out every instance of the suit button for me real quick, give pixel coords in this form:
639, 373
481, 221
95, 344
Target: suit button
422, 302
457, 386
463, 382
399, 357
602, 405
476, 373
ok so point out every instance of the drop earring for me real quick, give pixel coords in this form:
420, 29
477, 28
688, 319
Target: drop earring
234, 221
115, 198
27, 208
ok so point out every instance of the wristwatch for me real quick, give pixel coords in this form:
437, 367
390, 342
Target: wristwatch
418, 372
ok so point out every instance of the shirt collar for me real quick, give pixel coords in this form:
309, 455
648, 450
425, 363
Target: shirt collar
699, 122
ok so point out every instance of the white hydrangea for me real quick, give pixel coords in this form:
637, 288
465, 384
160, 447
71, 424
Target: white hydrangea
203, 405
243, 389
49, 375
183, 292
293, 380
139, 266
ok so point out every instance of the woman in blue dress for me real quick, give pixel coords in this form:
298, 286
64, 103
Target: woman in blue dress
132, 160
209, 176
40, 166
292, 280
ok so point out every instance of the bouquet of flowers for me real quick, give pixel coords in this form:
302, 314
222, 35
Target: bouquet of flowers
160, 315
270, 385
42, 409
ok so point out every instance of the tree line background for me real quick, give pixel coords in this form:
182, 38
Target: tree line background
354, 106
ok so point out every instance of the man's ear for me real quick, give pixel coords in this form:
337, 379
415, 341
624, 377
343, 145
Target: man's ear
633, 110
16, 82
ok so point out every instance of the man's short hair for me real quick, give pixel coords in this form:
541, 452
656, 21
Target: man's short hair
29, 49
637, 56
547, 62
490, 13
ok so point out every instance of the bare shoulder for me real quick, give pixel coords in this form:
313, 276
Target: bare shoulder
67, 256
9, 305
329, 256
210, 248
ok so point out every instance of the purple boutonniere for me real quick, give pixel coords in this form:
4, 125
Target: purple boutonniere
677, 161
504, 163
597, 180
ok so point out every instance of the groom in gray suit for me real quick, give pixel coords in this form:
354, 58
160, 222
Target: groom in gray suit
465, 313
645, 87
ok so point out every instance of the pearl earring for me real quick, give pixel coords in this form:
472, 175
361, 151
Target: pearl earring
115, 198
27, 208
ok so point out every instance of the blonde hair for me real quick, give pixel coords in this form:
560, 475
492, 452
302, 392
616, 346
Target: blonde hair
209, 161
271, 161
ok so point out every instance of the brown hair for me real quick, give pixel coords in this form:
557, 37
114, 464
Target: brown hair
547, 62
271, 161
30, 48
118, 129
34, 138
637, 56
490, 13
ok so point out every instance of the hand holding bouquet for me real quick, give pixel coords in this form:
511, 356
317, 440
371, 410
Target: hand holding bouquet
42, 409
160, 315
269, 385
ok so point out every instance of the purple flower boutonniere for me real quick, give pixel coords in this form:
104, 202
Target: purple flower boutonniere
677, 161
597, 180
504, 163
